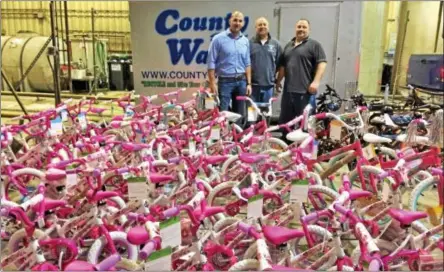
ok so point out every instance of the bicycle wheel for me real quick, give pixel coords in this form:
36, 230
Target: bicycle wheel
426, 196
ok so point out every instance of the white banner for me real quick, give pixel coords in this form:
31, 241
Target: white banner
170, 40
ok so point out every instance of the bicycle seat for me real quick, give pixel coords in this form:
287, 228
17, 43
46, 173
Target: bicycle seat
50, 204
158, 178
134, 146
97, 110
252, 158
417, 139
375, 139
355, 194
231, 116
406, 217
279, 235
138, 235
100, 195
54, 174
297, 136
216, 159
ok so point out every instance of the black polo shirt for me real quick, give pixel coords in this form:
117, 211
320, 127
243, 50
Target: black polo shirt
264, 60
300, 64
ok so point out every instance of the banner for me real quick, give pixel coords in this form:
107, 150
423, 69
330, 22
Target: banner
170, 40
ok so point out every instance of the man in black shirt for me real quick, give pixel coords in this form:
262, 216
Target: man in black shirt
302, 63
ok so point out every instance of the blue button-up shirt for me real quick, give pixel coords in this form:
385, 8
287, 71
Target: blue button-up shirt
229, 56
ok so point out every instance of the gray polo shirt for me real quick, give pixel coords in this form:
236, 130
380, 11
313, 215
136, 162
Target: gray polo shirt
300, 64
264, 60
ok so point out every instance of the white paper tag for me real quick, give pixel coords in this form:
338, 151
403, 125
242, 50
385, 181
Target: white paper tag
159, 260
335, 130
314, 152
369, 152
254, 208
385, 190
210, 103
215, 133
192, 147
252, 114
137, 188
56, 127
299, 190
64, 115
82, 120
129, 112
170, 232
71, 180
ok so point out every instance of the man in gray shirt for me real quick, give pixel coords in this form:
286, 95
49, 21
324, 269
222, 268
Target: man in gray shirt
264, 54
303, 63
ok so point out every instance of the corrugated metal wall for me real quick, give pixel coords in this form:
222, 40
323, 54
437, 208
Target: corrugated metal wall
111, 19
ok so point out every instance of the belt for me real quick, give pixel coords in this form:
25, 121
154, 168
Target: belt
238, 77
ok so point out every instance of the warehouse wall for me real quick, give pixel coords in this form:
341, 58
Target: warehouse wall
111, 19
421, 32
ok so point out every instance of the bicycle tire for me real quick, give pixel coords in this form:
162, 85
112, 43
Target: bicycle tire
97, 247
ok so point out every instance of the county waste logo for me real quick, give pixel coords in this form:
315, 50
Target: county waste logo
191, 50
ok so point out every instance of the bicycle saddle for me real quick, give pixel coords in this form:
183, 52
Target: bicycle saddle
54, 174
158, 178
216, 159
406, 217
355, 194
231, 116
297, 136
252, 158
134, 146
50, 204
279, 235
373, 138
97, 110
138, 235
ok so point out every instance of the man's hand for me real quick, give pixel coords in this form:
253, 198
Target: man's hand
278, 87
248, 90
313, 88
213, 88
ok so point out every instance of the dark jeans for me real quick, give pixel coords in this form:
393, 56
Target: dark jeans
292, 105
262, 94
228, 91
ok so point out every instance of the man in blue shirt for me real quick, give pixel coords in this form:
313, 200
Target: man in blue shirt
229, 59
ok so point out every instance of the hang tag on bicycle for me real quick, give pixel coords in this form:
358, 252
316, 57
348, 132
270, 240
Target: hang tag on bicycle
369, 152
71, 180
170, 232
192, 147
215, 133
159, 260
314, 152
129, 112
82, 120
299, 190
386, 190
64, 115
252, 115
210, 103
254, 208
335, 130
137, 188
56, 127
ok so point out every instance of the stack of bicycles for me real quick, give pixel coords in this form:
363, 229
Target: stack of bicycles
180, 186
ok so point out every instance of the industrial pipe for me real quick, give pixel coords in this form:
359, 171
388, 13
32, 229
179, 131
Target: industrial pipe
56, 74
68, 45
94, 52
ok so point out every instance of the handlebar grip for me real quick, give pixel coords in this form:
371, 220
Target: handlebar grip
171, 212
244, 227
374, 265
108, 263
241, 98
338, 165
147, 250
309, 217
383, 175
321, 115
437, 171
